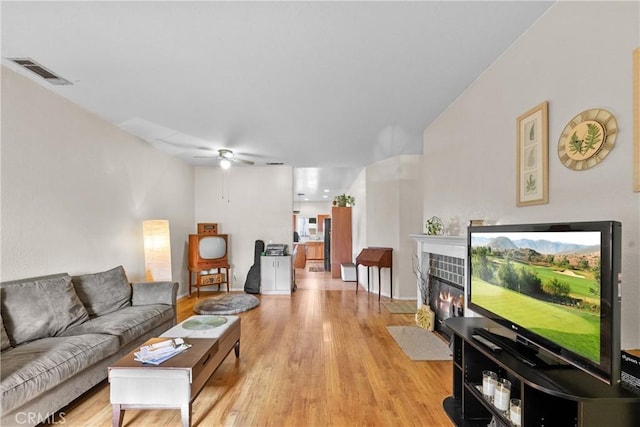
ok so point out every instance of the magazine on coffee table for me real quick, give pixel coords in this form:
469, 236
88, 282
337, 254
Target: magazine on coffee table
157, 353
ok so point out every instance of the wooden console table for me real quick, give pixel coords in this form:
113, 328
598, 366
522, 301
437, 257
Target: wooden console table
376, 257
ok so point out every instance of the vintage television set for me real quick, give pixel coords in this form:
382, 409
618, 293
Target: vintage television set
208, 256
208, 251
556, 286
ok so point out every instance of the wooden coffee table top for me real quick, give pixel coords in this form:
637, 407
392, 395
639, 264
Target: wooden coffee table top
186, 360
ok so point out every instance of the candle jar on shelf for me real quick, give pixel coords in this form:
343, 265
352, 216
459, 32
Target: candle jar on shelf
515, 414
502, 395
489, 380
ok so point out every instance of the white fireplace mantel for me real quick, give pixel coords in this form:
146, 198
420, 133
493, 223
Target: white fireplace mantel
455, 246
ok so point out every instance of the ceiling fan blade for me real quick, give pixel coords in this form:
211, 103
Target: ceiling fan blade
182, 145
243, 161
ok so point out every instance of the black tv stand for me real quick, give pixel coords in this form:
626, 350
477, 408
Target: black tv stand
550, 397
522, 352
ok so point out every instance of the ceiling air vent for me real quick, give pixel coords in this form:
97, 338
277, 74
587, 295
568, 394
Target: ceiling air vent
43, 72
275, 164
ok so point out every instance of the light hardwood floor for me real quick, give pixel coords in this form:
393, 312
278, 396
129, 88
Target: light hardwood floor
322, 357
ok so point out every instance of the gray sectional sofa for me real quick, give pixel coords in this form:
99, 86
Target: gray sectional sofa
60, 333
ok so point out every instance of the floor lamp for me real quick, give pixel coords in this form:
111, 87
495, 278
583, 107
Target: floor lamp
157, 250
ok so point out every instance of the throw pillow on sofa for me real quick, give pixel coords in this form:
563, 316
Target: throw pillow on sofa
5, 338
40, 307
103, 293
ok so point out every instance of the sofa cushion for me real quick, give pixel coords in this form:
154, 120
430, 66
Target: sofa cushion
127, 324
30, 369
5, 338
40, 307
103, 293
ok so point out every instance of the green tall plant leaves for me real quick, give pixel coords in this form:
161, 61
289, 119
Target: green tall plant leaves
593, 137
344, 200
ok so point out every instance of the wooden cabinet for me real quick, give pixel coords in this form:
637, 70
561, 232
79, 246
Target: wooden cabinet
275, 275
550, 396
315, 251
299, 255
321, 218
341, 249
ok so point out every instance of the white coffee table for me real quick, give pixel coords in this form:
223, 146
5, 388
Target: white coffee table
176, 382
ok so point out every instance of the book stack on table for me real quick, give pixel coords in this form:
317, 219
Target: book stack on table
157, 353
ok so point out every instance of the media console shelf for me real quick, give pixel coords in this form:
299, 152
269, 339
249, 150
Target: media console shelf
551, 396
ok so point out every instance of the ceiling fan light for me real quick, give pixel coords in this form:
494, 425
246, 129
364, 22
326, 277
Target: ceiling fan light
225, 164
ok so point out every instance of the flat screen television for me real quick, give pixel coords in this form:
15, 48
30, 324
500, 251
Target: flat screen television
555, 285
208, 251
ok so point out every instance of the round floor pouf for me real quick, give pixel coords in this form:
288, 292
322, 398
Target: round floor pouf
226, 304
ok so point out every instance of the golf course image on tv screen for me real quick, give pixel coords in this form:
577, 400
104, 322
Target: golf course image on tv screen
547, 283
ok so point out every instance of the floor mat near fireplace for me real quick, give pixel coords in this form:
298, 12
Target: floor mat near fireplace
420, 344
401, 307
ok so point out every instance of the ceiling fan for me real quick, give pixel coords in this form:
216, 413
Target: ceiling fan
226, 157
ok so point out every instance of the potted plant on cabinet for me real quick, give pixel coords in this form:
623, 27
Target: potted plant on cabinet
344, 200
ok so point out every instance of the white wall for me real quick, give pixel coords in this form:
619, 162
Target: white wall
359, 217
410, 207
388, 208
470, 150
249, 204
75, 189
313, 209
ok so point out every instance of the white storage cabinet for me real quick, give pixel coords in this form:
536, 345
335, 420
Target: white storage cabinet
275, 275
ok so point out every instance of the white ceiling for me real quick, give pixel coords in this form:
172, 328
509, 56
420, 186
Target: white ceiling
326, 87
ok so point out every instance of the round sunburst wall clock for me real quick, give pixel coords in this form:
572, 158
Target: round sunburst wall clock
587, 139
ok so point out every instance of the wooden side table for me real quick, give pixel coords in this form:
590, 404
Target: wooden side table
219, 278
174, 384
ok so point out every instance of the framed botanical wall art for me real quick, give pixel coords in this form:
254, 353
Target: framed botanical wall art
636, 120
532, 153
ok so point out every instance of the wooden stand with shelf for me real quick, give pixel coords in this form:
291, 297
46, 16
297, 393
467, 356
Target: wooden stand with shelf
554, 396
206, 279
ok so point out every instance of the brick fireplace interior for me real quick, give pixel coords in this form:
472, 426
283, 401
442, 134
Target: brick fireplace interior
446, 279
443, 259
